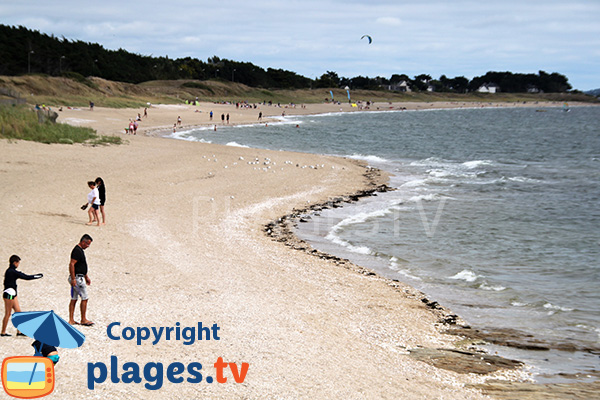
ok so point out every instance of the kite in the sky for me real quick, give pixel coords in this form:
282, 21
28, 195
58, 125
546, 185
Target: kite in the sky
368, 37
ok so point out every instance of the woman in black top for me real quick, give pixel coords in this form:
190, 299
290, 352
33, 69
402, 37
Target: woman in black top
102, 192
11, 302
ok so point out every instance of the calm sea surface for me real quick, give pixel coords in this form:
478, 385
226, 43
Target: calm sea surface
497, 213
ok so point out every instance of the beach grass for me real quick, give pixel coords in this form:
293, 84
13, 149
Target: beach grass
21, 123
77, 91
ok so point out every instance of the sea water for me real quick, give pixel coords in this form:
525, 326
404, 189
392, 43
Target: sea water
496, 213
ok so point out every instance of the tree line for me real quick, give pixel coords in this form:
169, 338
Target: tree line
27, 51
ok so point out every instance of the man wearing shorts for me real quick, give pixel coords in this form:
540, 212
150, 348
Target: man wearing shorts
79, 280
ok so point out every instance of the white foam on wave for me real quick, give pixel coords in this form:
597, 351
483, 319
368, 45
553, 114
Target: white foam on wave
466, 275
236, 144
427, 197
369, 158
477, 163
522, 179
518, 304
496, 288
395, 265
360, 218
186, 135
431, 162
352, 220
553, 307
414, 183
349, 246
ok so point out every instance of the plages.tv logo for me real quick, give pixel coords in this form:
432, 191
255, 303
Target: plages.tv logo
28, 377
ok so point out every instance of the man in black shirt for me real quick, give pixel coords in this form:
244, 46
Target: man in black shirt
79, 279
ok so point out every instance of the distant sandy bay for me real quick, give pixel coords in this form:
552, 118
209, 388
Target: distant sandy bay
184, 243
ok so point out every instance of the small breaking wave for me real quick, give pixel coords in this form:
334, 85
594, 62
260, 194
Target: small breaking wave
466, 275
369, 158
477, 163
554, 308
496, 288
236, 144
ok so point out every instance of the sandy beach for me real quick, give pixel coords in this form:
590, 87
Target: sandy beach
184, 243
163, 118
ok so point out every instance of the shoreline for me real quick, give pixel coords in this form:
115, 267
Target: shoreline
161, 118
316, 312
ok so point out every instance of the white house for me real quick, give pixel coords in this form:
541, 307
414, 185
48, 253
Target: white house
400, 87
489, 88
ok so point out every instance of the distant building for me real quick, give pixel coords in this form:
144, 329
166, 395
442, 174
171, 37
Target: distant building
489, 88
399, 87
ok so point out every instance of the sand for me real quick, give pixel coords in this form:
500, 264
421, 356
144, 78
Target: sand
184, 243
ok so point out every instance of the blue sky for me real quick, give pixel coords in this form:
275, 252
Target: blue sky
310, 37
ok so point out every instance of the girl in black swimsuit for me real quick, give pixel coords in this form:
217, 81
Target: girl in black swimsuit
11, 302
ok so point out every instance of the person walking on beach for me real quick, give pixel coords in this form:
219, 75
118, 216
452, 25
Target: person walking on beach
94, 201
223, 119
211, 114
102, 194
79, 280
227, 118
260, 116
11, 301
179, 121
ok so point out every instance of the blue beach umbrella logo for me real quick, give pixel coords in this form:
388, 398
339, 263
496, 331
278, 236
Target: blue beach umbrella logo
32, 377
48, 328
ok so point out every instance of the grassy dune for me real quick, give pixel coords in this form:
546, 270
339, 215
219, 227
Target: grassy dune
78, 91
21, 122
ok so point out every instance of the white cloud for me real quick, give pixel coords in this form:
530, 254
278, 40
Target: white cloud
312, 36
389, 21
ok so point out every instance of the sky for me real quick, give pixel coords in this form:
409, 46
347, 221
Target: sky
310, 37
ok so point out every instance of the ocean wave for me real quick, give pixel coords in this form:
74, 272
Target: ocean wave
235, 144
518, 304
522, 179
430, 162
360, 218
369, 158
427, 197
466, 275
349, 246
477, 163
555, 308
414, 183
496, 288
396, 267
353, 220
187, 135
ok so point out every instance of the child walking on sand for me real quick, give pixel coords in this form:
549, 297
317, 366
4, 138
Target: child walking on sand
94, 201
102, 192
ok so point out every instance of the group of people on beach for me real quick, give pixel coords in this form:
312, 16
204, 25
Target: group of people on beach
78, 273
134, 123
78, 279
